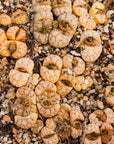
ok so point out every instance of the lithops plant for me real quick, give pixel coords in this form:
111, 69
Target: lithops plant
5, 19
106, 132
25, 108
65, 84
92, 135
19, 76
75, 63
82, 83
49, 136
14, 46
109, 95
60, 37
97, 10
61, 7
76, 120
51, 69
79, 8
91, 45
42, 20
37, 126
47, 99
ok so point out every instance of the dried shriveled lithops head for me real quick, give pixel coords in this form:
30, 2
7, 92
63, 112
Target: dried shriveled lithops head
87, 23
61, 7
92, 134
19, 17
91, 45
26, 122
97, 117
49, 136
42, 26
37, 127
79, 8
64, 111
76, 120
5, 19
16, 33
51, 69
109, 95
20, 75
2, 36
110, 115
65, 84
48, 101
106, 132
75, 63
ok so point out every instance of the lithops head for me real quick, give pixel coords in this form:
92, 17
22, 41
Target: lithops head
109, 95
61, 7
49, 136
76, 120
20, 75
91, 45
51, 69
65, 84
97, 117
110, 115
5, 19
106, 131
42, 26
92, 134
48, 101
75, 63
79, 8
25, 107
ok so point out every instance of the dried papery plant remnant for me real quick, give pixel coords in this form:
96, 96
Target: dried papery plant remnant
19, 17
106, 131
109, 95
19, 76
51, 69
92, 134
76, 120
43, 20
65, 84
14, 46
61, 6
25, 108
75, 63
61, 36
47, 99
49, 136
5, 19
79, 8
91, 45
37, 126
97, 10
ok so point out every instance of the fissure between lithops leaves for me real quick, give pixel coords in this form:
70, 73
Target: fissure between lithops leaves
52, 66
66, 83
46, 103
12, 47
93, 136
77, 124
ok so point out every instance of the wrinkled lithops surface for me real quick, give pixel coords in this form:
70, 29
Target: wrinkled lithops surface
56, 72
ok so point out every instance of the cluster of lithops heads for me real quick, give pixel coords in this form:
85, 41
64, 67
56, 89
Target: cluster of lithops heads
58, 75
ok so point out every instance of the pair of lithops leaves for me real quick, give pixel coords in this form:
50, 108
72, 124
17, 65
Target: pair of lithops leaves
14, 46
80, 8
67, 122
19, 76
59, 32
52, 71
102, 119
